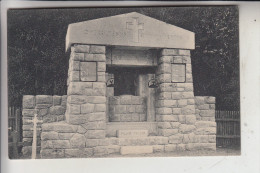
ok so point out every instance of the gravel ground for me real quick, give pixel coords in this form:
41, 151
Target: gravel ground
218, 152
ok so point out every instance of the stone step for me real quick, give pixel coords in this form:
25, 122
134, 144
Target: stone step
150, 140
132, 133
113, 127
136, 150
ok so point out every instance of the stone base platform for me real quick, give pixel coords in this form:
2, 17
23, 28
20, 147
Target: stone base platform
62, 140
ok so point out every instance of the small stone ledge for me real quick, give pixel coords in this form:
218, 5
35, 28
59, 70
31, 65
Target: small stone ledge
61, 127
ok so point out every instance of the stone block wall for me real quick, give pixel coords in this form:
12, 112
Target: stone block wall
175, 106
47, 108
86, 85
127, 108
205, 108
86, 106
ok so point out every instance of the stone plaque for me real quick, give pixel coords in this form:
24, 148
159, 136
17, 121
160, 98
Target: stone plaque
132, 133
88, 71
178, 72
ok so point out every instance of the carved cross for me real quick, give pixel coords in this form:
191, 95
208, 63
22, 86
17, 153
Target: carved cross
34, 143
135, 27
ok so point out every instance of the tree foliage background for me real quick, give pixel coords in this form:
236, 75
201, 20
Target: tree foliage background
38, 63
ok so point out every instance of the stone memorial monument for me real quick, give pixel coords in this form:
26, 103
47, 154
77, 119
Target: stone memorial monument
130, 91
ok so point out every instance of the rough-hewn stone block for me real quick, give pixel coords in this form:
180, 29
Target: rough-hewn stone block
165, 95
101, 66
52, 153
96, 99
104, 150
176, 95
130, 109
207, 113
164, 78
137, 100
164, 68
62, 127
57, 110
158, 148
99, 57
164, 125
201, 124
73, 109
77, 141
191, 102
120, 109
210, 100
186, 128
182, 118
96, 125
43, 99
201, 146
187, 95
28, 112
49, 136
212, 138
29, 134
97, 49
60, 144
80, 48
206, 131
203, 107
74, 76
175, 125
95, 134
56, 100
163, 111
176, 139
28, 102
202, 139
100, 108
186, 59
136, 150
125, 117
87, 108
190, 119
166, 52
167, 132
182, 103
177, 59
167, 103
77, 56
176, 111
169, 118
188, 110
165, 59
64, 136
170, 147
199, 100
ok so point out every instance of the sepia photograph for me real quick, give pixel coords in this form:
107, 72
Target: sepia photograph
112, 82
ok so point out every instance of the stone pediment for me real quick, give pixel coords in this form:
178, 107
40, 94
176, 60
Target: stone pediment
131, 29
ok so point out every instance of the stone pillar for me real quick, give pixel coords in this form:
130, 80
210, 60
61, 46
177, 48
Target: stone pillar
86, 103
175, 110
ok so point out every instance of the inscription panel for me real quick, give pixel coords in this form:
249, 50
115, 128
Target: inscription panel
132, 133
178, 72
88, 71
